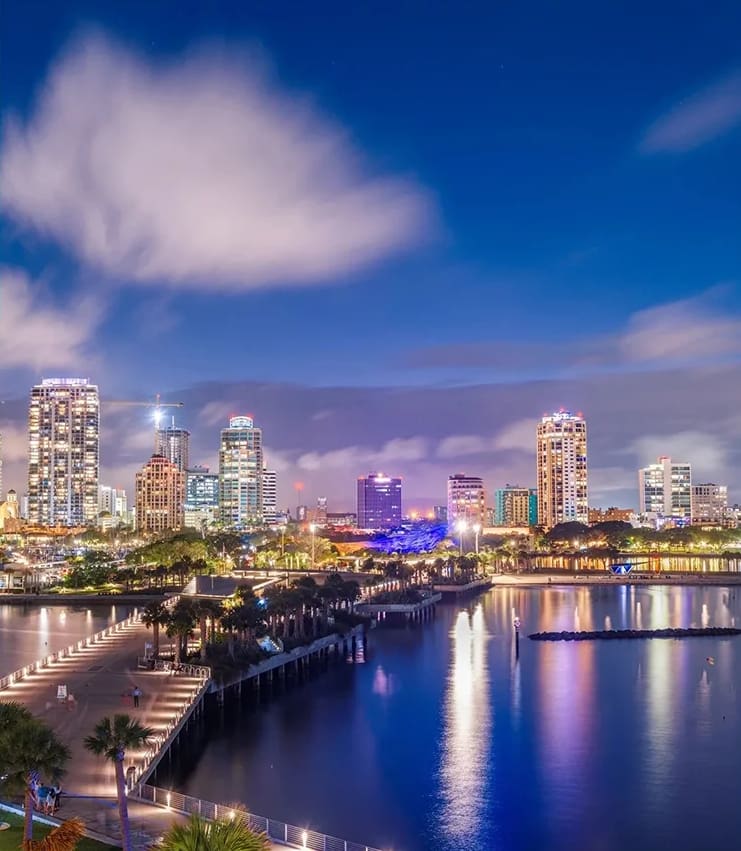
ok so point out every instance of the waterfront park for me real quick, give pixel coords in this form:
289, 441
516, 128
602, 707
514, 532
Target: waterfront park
211, 615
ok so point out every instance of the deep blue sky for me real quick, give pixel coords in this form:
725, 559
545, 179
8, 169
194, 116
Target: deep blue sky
578, 166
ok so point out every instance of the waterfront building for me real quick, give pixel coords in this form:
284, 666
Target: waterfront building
201, 497
709, 503
466, 500
112, 505
240, 474
378, 501
174, 444
160, 495
611, 515
10, 513
269, 496
665, 489
63, 452
515, 505
562, 469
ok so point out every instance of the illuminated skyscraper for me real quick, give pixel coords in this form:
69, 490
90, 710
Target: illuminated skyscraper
240, 474
63, 452
466, 500
173, 443
269, 496
160, 495
515, 506
665, 489
201, 497
562, 469
379, 501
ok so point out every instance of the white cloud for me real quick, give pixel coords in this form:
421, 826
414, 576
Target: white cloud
519, 435
199, 174
458, 445
35, 332
14, 445
362, 459
697, 119
217, 412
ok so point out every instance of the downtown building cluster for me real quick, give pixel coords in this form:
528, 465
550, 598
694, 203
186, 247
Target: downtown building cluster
64, 488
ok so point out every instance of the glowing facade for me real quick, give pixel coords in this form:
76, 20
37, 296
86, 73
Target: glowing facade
709, 503
515, 506
160, 495
174, 444
269, 496
240, 474
665, 489
562, 469
466, 500
379, 501
63, 452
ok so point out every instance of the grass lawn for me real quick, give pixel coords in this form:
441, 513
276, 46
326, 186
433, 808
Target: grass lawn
10, 839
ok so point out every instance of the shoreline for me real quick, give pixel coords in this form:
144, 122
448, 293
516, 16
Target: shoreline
550, 580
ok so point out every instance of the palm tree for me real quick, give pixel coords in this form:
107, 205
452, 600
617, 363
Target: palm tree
180, 625
111, 738
64, 837
204, 611
197, 834
29, 748
155, 615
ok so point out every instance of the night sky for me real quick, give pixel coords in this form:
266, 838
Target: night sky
395, 233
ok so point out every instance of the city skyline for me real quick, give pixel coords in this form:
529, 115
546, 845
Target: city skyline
567, 238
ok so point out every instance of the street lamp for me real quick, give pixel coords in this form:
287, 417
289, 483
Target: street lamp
476, 530
312, 529
461, 527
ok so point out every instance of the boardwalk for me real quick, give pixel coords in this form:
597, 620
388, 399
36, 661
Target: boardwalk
98, 677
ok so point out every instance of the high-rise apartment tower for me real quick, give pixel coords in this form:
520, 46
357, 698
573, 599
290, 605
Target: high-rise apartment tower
562, 469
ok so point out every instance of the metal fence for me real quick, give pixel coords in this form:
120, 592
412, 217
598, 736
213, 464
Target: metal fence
45, 661
278, 831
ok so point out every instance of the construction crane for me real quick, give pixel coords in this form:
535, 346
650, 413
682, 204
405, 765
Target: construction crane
158, 405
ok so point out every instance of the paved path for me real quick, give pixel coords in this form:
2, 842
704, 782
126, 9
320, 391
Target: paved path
99, 677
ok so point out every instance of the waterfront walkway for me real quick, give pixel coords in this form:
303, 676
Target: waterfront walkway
100, 678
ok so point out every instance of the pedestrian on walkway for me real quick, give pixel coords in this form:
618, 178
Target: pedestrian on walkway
136, 694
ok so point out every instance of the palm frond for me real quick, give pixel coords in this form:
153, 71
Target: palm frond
64, 837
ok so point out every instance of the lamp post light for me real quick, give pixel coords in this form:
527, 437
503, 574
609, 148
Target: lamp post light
476, 530
461, 527
312, 529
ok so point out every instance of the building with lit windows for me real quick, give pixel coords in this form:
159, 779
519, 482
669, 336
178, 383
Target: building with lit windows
562, 469
665, 489
112, 506
515, 506
240, 474
269, 496
709, 503
466, 500
174, 444
201, 497
378, 502
160, 496
63, 452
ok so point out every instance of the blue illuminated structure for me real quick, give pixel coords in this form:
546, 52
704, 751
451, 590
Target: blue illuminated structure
413, 538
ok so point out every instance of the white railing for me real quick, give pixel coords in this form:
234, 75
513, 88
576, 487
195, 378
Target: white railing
278, 831
45, 661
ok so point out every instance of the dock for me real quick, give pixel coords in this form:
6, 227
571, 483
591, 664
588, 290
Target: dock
408, 612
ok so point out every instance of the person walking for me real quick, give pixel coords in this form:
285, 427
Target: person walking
136, 694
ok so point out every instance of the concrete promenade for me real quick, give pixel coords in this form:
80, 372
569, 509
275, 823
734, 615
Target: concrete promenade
100, 678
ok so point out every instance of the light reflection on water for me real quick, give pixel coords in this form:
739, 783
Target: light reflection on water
466, 732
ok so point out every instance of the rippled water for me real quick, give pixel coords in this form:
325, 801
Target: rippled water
28, 632
444, 738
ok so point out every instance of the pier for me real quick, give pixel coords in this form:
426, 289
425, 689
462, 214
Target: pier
96, 676
417, 612
452, 590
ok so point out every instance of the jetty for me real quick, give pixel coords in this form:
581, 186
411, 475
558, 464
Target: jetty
454, 590
613, 634
411, 612
72, 689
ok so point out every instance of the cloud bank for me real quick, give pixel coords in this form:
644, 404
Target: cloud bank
202, 174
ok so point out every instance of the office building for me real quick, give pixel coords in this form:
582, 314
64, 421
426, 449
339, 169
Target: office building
515, 506
240, 474
466, 500
63, 452
378, 501
562, 469
611, 515
269, 496
112, 504
160, 496
342, 518
709, 503
174, 444
201, 498
665, 489
440, 513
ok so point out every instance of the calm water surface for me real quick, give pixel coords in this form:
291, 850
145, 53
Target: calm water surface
29, 632
443, 738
